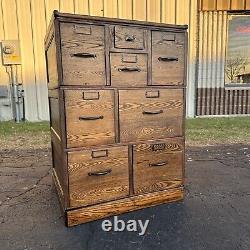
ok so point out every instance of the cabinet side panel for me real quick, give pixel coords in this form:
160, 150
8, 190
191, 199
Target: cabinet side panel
52, 73
58, 167
55, 115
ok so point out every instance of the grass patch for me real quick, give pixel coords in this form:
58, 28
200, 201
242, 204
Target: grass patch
24, 135
12, 128
199, 131
218, 130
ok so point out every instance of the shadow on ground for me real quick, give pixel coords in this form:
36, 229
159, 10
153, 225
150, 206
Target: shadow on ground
214, 215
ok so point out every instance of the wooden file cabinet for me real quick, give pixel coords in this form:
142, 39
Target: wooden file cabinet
117, 103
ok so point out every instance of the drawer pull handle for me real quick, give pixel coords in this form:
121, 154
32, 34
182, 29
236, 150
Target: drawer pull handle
129, 69
84, 55
90, 118
152, 112
129, 38
108, 171
168, 59
158, 164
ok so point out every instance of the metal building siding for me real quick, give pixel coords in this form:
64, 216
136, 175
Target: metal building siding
212, 48
27, 21
213, 98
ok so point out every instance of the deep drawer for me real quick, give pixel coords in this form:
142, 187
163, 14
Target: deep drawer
98, 175
168, 59
128, 69
129, 38
83, 56
89, 117
157, 166
147, 114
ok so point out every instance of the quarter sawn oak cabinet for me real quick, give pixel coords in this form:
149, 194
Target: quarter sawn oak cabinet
117, 103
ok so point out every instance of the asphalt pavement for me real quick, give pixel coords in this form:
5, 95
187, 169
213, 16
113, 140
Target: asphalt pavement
215, 213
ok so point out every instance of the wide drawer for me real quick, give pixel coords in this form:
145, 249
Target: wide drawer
83, 56
157, 165
129, 38
147, 114
128, 69
98, 175
89, 117
168, 59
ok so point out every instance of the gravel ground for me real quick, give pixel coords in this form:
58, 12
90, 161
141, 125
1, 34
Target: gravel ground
215, 213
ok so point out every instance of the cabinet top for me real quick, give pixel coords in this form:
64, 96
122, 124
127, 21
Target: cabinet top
76, 17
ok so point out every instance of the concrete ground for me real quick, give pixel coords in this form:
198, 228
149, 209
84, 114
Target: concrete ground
214, 215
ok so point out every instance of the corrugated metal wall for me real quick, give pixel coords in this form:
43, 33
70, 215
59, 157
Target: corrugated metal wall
212, 96
27, 21
212, 48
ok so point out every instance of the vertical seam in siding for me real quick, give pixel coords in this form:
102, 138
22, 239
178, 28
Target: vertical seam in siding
45, 7
34, 60
132, 9
175, 10
89, 7
3, 20
17, 21
74, 6
160, 11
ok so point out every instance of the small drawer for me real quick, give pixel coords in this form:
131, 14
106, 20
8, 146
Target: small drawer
168, 58
89, 117
147, 114
83, 54
158, 165
129, 38
128, 69
98, 175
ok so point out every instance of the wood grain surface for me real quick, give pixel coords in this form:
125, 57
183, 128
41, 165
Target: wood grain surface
51, 61
88, 183
83, 215
166, 118
82, 133
129, 38
128, 69
168, 60
157, 166
78, 40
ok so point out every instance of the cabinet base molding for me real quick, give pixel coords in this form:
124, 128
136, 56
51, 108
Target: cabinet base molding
100, 211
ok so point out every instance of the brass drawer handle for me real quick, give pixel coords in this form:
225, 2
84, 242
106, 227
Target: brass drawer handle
159, 164
90, 118
168, 59
152, 112
84, 55
99, 173
126, 69
129, 38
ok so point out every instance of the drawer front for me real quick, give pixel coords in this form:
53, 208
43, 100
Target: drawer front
168, 60
128, 69
98, 175
83, 57
89, 117
150, 114
158, 166
129, 38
